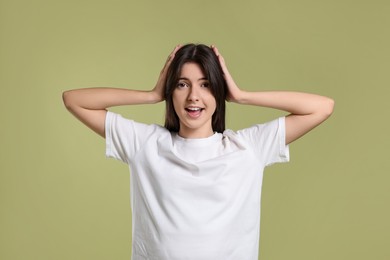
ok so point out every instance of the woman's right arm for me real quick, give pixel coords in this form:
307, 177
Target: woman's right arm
90, 105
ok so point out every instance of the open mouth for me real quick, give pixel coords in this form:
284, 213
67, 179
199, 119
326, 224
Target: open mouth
194, 111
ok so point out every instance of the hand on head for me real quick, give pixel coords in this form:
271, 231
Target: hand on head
234, 92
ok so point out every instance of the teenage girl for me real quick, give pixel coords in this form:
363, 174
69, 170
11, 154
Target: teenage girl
196, 186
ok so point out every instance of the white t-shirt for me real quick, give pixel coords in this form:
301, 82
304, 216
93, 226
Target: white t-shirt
195, 199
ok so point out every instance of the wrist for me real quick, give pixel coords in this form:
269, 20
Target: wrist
238, 96
155, 97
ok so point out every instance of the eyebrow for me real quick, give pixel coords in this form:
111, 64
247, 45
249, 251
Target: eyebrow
184, 78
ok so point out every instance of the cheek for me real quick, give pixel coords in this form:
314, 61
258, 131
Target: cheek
212, 102
176, 101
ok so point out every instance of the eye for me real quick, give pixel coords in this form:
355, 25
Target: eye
205, 85
182, 85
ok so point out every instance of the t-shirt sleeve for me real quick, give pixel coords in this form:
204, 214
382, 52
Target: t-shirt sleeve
268, 141
124, 137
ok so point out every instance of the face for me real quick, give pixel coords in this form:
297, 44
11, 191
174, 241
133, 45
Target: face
194, 103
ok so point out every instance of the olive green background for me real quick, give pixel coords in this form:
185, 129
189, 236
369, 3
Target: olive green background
61, 199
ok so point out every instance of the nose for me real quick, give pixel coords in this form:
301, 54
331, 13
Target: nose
193, 94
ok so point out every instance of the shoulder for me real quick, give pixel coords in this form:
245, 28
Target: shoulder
261, 129
266, 140
117, 121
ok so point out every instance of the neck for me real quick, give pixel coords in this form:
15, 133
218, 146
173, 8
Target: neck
192, 134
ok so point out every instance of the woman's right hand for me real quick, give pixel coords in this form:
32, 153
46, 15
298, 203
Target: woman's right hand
90, 105
158, 90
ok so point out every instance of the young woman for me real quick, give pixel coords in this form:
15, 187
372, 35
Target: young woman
195, 186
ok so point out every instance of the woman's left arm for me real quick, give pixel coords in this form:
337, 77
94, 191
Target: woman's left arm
306, 110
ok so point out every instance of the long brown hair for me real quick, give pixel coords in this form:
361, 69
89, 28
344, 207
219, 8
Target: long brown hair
205, 57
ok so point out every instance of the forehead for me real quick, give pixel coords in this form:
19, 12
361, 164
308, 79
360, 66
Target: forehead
192, 70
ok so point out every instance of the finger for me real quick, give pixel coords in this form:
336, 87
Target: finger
220, 59
171, 56
177, 47
169, 59
215, 49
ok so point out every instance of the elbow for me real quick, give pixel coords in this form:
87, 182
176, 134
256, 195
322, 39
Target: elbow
67, 99
327, 107
330, 106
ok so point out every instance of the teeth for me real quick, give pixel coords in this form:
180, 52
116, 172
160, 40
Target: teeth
194, 108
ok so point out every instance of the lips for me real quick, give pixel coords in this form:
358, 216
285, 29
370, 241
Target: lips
194, 112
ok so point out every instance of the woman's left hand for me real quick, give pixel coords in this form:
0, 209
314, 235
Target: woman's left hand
235, 94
